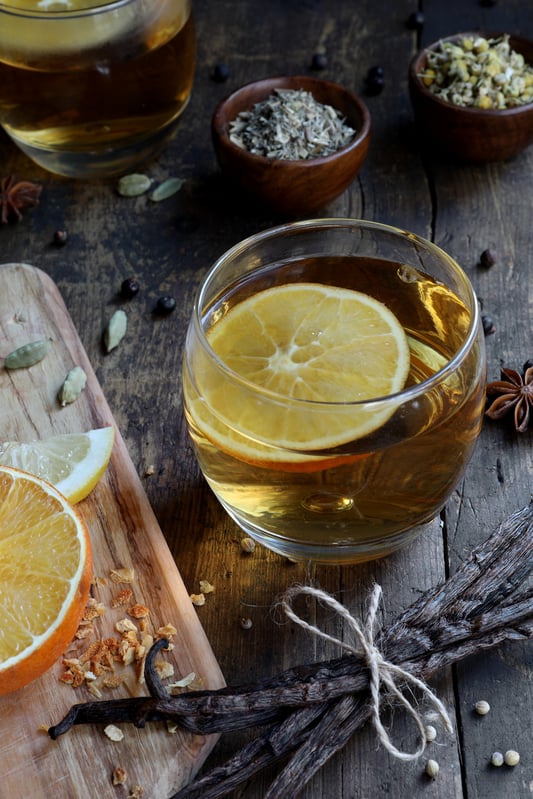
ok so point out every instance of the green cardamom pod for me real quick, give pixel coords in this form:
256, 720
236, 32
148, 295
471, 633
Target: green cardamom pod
72, 387
115, 330
133, 185
166, 189
28, 354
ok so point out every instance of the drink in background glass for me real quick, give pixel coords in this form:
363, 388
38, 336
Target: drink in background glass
383, 466
89, 88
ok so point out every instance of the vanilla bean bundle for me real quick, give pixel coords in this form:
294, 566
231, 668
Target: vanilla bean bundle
313, 710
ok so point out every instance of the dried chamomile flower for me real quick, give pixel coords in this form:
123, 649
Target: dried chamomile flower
478, 72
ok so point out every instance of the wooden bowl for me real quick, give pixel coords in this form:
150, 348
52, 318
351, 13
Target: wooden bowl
470, 134
292, 187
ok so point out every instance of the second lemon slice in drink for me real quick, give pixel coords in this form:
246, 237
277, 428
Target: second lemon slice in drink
300, 361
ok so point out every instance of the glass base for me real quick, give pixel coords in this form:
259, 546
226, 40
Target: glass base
118, 159
330, 554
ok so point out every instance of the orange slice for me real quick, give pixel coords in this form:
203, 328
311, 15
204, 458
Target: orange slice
304, 359
45, 575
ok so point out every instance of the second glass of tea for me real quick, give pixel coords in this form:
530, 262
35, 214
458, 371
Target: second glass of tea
333, 386
90, 88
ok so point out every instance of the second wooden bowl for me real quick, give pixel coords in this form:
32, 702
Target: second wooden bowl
470, 134
292, 187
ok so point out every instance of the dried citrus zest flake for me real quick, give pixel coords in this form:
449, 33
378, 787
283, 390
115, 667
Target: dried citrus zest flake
138, 611
122, 598
94, 690
112, 681
140, 670
183, 683
120, 776
113, 732
136, 792
128, 654
206, 587
198, 599
140, 652
93, 610
84, 631
125, 626
164, 669
123, 575
167, 631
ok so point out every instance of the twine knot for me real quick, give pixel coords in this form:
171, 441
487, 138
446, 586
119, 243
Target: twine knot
382, 672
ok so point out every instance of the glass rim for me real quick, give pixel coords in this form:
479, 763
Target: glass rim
63, 13
406, 394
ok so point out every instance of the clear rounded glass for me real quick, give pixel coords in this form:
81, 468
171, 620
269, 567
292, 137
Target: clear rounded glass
89, 88
372, 495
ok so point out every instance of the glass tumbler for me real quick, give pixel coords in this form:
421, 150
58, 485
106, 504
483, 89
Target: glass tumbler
333, 479
91, 88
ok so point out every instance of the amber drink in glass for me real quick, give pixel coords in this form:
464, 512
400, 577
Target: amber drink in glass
376, 469
91, 88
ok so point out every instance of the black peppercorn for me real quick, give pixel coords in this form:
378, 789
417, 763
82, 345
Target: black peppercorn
60, 238
129, 288
165, 305
375, 72
487, 259
415, 21
220, 73
374, 81
319, 61
488, 325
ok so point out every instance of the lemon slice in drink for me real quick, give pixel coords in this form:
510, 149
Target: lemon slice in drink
72, 462
304, 360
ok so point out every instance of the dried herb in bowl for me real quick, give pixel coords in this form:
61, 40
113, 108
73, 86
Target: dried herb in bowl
290, 124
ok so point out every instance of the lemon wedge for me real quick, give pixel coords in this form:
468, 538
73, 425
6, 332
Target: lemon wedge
72, 462
304, 361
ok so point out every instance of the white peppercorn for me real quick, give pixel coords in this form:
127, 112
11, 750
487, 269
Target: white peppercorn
511, 758
497, 759
247, 545
482, 707
432, 769
430, 733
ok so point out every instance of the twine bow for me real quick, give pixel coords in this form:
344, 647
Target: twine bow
382, 671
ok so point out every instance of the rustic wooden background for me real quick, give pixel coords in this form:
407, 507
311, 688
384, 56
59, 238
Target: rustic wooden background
170, 245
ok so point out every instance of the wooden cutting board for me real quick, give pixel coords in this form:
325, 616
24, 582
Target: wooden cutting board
124, 533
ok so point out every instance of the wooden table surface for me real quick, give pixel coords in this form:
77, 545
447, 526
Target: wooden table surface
169, 246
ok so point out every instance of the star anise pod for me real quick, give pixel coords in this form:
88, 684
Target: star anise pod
513, 392
16, 196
